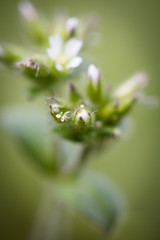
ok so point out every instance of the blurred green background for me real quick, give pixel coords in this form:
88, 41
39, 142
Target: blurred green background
129, 42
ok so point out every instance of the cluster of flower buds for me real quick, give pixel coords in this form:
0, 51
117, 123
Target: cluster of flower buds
97, 116
94, 114
82, 118
88, 114
58, 45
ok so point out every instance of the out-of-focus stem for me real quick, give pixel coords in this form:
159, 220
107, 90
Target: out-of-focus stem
47, 218
82, 160
53, 219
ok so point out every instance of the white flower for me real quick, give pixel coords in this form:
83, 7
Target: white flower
55, 108
94, 75
62, 117
27, 10
66, 116
132, 85
64, 55
71, 25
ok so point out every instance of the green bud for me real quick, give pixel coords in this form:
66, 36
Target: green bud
126, 105
94, 84
131, 86
71, 26
108, 111
82, 118
35, 23
114, 111
28, 11
74, 95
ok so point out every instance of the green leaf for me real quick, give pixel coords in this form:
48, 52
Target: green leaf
95, 198
29, 128
11, 53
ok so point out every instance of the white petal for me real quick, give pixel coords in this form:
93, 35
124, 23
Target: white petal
71, 24
74, 62
59, 67
55, 44
72, 47
55, 107
51, 54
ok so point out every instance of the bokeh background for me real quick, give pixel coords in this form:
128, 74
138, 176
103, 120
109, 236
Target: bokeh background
129, 42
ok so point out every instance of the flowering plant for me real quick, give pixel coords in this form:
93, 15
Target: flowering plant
82, 123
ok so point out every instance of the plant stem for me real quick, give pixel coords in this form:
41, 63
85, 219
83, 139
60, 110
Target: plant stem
52, 220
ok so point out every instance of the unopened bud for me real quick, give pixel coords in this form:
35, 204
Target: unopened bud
131, 86
126, 105
74, 94
71, 25
27, 10
94, 85
83, 118
36, 24
114, 111
94, 75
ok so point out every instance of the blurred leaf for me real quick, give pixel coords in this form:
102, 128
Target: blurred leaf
95, 198
10, 53
29, 128
69, 153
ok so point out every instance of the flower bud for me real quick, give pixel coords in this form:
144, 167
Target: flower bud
27, 10
71, 25
122, 109
36, 24
131, 86
126, 105
114, 111
83, 118
74, 94
94, 85
94, 75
